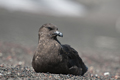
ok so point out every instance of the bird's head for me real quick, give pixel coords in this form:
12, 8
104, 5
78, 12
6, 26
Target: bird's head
49, 31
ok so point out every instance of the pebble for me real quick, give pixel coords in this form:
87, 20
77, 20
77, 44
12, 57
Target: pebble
106, 74
1, 74
96, 75
21, 63
9, 73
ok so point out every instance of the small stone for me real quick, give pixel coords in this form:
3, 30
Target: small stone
96, 75
18, 74
1, 74
21, 63
106, 74
68, 79
9, 73
91, 75
117, 77
1, 65
50, 76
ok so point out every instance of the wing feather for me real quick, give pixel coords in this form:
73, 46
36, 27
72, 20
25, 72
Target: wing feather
75, 59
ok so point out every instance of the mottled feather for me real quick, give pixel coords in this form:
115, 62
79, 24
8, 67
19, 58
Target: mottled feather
51, 56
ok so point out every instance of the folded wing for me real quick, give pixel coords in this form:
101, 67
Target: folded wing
75, 64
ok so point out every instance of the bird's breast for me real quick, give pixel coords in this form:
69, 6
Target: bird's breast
49, 51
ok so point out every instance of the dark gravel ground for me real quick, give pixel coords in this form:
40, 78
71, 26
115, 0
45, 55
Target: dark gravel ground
15, 64
81, 33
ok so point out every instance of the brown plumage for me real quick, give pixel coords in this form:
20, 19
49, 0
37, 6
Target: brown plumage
51, 56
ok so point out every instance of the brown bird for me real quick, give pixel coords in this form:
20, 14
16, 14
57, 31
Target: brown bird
51, 56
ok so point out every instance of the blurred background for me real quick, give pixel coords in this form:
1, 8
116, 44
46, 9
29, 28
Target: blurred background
84, 23
92, 27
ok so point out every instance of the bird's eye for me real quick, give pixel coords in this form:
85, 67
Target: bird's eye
49, 28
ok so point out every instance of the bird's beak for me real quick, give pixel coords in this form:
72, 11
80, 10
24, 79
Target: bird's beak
58, 33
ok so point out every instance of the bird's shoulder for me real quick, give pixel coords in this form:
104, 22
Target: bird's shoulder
71, 52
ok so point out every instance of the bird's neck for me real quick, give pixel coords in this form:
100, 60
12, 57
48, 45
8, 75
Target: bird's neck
48, 40
49, 44
58, 41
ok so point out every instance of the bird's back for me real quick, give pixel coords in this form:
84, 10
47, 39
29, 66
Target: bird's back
75, 64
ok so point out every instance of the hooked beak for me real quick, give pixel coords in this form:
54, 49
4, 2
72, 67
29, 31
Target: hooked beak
58, 33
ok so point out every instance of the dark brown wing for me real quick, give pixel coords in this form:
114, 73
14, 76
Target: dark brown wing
74, 59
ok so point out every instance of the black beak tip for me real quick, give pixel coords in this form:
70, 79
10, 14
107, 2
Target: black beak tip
58, 33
